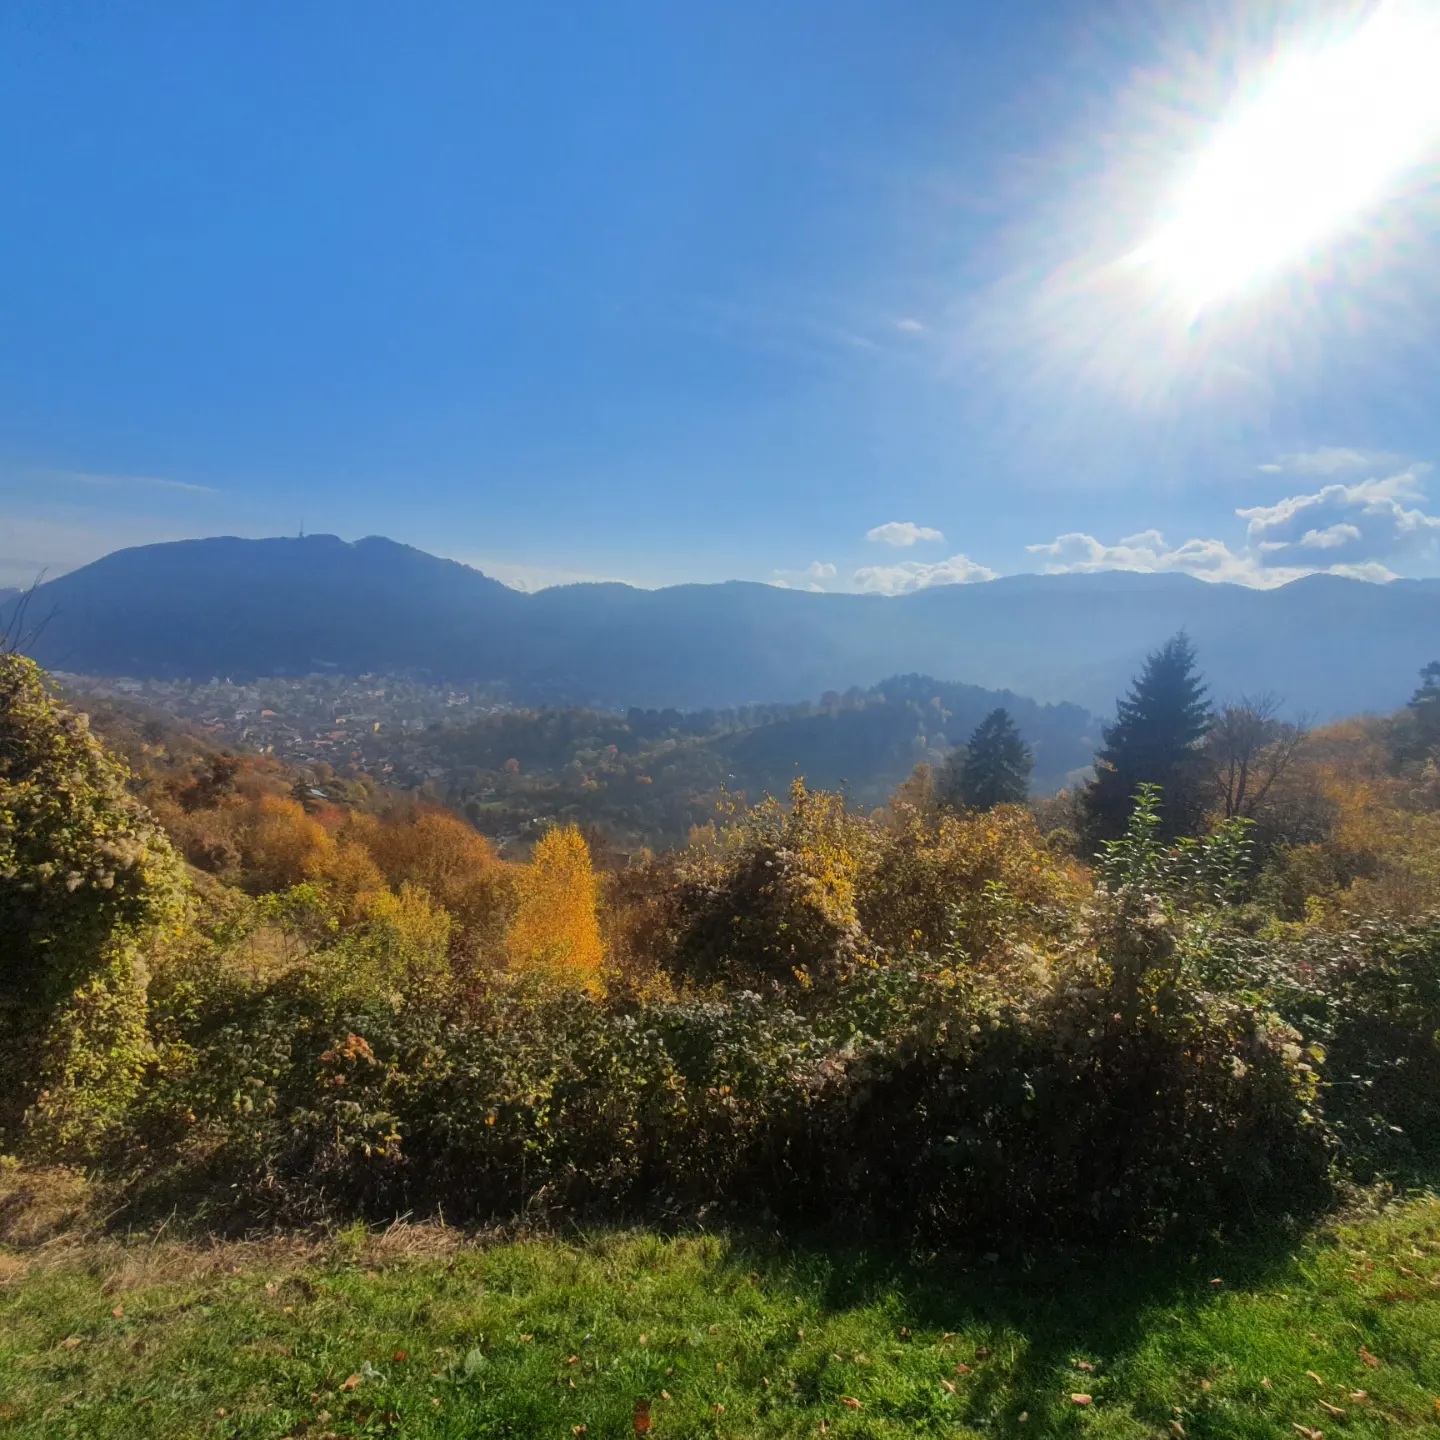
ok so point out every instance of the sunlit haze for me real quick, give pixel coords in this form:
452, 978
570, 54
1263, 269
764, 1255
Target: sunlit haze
1333, 125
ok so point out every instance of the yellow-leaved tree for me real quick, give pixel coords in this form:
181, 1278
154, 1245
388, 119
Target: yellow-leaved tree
556, 928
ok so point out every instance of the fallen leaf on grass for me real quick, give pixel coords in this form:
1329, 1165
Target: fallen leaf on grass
400, 1357
850, 1402
72, 1343
1310, 1434
1080, 1399
1330, 1409
642, 1416
578, 1429
961, 1370
1359, 1396
947, 1385
1084, 1365
353, 1383
1368, 1358
118, 1312
1315, 1377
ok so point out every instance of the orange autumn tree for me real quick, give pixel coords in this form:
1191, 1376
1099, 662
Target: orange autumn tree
556, 928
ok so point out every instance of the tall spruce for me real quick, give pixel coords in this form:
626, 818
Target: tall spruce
993, 768
1153, 742
1425, 707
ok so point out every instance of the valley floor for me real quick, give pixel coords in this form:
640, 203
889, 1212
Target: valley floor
419, 1331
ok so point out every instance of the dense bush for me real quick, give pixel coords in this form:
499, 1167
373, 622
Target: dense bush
1370, 997
86, 880
958, 1104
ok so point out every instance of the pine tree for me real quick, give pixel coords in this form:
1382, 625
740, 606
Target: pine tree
1425, 706
994, 767
1153, 742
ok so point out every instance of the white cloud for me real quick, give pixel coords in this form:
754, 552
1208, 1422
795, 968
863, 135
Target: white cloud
909, 326
521, 575
1339, 529
1355, 524
1078, 553
914, 575
813, 577
144, 482
1327, 460
902, 533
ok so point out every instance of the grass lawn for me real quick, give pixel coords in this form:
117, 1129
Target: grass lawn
417, 1332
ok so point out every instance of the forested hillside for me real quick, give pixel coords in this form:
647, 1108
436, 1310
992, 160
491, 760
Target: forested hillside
239, 608
1192, 1001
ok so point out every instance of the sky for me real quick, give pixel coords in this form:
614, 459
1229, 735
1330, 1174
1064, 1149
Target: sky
836, 295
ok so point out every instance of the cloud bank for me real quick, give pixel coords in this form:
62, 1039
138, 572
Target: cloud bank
1351, 530
902, 533
911, 575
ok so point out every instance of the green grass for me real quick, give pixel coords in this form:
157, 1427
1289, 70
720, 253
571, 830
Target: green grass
415, 1333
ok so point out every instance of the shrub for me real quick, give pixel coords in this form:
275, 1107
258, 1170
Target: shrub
86, 879
774, 900
960, 1106
977, 884
1370, 996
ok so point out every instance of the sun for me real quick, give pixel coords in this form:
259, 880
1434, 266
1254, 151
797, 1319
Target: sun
1328, 132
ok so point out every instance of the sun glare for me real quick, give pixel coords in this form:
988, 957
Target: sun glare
1330, 130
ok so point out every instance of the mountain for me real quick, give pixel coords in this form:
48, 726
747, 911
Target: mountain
225, 606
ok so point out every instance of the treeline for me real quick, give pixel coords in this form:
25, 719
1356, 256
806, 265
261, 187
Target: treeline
951, 1015
646, 777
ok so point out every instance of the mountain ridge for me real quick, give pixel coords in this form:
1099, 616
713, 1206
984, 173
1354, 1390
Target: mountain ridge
231, 606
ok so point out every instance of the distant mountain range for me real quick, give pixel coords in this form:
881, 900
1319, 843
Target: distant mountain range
238, 608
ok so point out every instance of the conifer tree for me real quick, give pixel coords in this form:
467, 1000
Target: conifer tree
1425, 706
994, 767
1153, 742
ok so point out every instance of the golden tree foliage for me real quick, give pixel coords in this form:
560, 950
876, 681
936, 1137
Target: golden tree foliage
1382, 850
454, 864
280, 845
408, 937
556, 927
982, 883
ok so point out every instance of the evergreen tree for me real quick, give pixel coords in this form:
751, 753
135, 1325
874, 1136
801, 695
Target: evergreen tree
993, 768
1425, 706
1153, 742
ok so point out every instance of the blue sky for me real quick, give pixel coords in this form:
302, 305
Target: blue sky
828, 294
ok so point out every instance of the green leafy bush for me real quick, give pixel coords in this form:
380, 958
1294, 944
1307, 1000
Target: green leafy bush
1370, 998
87, 879
934, 1102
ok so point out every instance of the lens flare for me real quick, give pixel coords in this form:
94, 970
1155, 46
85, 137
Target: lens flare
1328, 133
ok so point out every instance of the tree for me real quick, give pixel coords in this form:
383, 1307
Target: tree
87, 878
1153, 742
993, 768
556, 928
1425, 706
1246, 751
